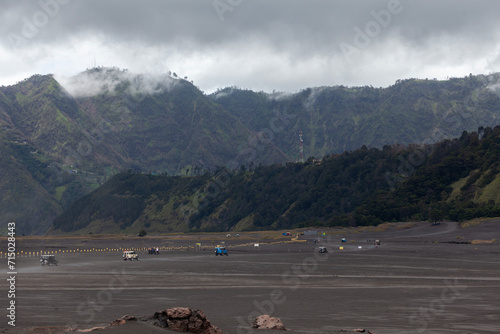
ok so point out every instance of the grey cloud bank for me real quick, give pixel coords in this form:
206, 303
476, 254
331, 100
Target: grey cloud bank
283, 45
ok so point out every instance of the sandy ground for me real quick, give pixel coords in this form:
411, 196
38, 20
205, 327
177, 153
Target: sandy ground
419, 280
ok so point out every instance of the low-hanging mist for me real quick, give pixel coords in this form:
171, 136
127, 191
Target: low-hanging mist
110, 80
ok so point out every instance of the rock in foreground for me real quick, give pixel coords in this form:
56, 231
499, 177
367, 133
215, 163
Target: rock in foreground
267, 322
182, 319
123, 320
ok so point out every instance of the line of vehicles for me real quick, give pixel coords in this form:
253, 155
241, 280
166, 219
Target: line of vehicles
130, 255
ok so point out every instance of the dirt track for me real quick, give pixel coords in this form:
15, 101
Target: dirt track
414, 282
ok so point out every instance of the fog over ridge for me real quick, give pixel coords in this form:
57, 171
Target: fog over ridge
108, 80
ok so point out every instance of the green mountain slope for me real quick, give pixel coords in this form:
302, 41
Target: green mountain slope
38, 123
458, 182
105, 120
169, 130
336, 119
127, 121
363, 187
39, 110
24, 199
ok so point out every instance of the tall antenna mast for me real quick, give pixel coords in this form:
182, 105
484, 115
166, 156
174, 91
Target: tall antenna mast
301, 147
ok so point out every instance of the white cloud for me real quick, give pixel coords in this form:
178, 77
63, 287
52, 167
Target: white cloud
98, 80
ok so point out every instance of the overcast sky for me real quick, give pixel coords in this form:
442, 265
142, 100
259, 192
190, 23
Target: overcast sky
283, 45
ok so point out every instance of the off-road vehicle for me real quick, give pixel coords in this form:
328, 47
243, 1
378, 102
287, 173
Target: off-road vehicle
48, 260
220, 251
130, 255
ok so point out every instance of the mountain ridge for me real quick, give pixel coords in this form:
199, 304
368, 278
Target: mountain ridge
162, 124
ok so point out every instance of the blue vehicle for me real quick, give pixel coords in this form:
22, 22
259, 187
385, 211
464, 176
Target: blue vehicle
220, 251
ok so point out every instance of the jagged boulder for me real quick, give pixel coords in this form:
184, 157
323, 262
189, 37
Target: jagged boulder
267, 322
182, 319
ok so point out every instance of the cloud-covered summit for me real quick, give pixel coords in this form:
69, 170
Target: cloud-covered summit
109, 80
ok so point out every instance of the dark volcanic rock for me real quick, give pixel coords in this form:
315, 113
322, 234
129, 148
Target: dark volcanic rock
123, 320
182, 319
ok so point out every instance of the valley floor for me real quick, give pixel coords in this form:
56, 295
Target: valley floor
421, 279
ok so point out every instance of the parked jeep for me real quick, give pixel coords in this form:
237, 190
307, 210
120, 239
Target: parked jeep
130, 255
48, 260
220, 251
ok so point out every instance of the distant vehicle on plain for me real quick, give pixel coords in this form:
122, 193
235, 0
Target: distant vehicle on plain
48, 260
130, 255
220, 251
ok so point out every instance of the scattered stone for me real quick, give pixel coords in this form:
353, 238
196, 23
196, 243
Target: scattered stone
88, 330
117, 322
182, 319
358, 330
267, 322
123, 320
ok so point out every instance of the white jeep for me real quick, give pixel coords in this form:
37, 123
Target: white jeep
130, 255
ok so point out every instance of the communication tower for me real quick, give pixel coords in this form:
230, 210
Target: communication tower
301, 147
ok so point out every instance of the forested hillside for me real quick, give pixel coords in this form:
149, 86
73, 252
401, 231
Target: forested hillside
454, 180
63, 138
338, 119
112, 121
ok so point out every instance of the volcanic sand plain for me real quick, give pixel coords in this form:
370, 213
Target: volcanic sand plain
422, 278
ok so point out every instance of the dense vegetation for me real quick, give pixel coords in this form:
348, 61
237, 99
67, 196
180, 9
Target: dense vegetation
338, 119
460, 180
452, 180
65, 146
